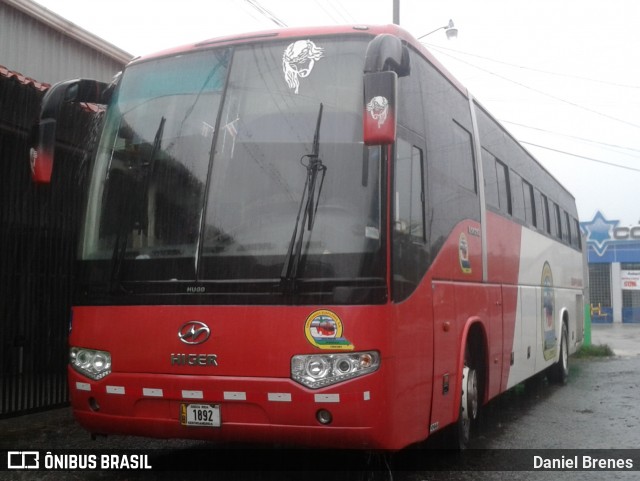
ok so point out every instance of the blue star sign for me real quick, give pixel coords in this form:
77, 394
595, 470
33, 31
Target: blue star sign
599, 232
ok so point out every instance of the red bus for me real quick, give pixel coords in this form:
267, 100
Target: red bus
311, 236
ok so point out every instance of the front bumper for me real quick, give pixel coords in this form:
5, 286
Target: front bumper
252, 410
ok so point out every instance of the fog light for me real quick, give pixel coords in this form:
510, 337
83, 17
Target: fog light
93, 404
324, 417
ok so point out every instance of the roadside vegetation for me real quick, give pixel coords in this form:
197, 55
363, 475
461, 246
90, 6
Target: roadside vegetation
599, 350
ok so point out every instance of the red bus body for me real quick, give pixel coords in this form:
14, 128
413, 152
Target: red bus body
486, 282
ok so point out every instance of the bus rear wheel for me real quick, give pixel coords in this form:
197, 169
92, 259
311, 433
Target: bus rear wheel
559, 372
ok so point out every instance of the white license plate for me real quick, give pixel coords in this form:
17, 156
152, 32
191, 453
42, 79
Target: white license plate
200, 415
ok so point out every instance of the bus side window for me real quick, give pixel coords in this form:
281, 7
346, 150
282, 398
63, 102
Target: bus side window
567, 229
409, 251
558, 220
518, 198
529, 204
504, 189
409, 192
577, 240
490, 179
547, 215
462, 158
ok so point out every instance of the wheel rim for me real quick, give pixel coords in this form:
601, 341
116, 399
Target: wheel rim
564, 353
472, 394
465, 422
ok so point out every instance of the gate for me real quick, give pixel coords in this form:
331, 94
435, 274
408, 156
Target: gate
38, 226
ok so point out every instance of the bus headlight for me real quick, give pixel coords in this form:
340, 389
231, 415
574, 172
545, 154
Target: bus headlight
90, 362
320, 370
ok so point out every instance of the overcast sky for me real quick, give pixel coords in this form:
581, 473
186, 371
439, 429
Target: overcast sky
562, 75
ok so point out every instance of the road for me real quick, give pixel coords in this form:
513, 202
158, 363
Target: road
596, 410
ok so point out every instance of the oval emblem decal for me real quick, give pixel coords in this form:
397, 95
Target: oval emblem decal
194, 332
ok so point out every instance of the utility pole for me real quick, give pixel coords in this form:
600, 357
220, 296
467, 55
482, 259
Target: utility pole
396, 12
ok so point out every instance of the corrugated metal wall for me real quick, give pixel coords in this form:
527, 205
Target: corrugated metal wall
38, 226
47, 55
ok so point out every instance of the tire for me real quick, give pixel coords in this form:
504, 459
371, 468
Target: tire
559, 372
469, 404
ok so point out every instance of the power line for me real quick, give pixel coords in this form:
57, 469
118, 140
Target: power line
540, 92
340, 6
266, 13
327, 12
523, 67
599, 161
575, 137
339, 12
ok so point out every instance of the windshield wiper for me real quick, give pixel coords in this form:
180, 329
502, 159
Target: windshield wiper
309, 198
122, 234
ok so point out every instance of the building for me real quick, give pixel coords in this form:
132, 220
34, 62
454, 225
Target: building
614, 269
38, 224
41, 45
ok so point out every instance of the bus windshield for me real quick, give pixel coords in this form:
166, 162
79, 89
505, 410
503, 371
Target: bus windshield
200, 171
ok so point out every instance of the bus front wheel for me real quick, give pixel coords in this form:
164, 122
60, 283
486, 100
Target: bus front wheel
460, 432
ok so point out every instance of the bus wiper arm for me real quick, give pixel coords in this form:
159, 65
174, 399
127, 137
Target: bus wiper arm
309, 198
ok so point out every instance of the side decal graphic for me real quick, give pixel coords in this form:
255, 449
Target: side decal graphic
323, 329
548, 313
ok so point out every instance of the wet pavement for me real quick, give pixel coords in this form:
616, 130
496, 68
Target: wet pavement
624, 339
597, 409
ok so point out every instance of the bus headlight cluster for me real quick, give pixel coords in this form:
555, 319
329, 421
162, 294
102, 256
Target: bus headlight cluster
320, 370
90, 362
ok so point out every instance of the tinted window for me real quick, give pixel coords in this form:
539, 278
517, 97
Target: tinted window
566, 232
490, 179
409, 196
558, 220
408, 234
549, 225
462, 157
518, 198
577, 239
504, 189
529, 203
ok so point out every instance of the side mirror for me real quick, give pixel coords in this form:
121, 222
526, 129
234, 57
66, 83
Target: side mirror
379, 116
386, 60
43, 133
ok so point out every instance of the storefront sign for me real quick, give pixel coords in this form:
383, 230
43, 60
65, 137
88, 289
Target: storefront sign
630, 280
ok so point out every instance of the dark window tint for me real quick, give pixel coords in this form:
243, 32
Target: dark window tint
529, 203
518, 198
490, 179
504, 189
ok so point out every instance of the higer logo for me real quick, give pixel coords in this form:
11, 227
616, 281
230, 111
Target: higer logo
194, 332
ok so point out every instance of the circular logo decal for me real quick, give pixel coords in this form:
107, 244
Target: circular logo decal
463, 254
548, 313
323, 329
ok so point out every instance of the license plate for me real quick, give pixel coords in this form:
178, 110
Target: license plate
200, 415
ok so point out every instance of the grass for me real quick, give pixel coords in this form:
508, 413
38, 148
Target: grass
599, 350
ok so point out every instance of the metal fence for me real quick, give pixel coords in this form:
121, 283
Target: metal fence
38, 226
